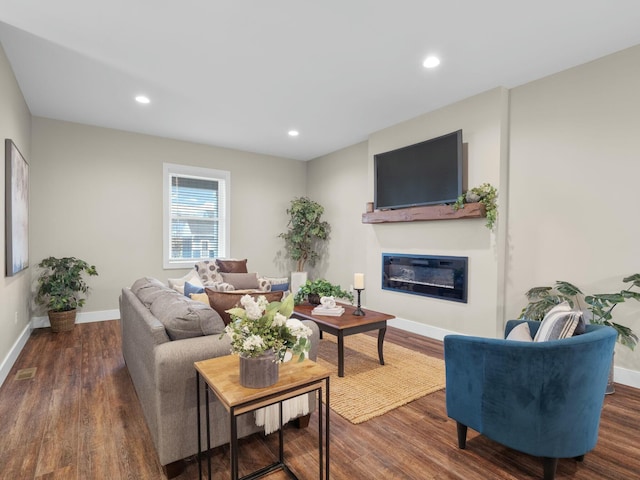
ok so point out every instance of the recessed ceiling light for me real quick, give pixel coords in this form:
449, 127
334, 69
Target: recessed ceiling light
293, 133
142, 99
431, 62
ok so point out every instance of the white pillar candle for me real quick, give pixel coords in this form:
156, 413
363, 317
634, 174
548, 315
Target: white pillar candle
358, 281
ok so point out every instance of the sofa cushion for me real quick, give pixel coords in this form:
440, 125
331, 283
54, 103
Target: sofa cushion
178, 283
186, 318
521, 333
559, 322
232, 265
147, 289
240, 281
222, 301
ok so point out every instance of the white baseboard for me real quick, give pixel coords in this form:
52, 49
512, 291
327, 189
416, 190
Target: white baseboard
15, 350
82, 317
621, 375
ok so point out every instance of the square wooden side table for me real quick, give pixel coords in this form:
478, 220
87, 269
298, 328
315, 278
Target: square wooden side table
222, 377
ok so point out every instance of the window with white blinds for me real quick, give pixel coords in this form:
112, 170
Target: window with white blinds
196, 220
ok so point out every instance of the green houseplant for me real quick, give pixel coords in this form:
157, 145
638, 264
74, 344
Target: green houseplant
600, 305
485, 194
313, 290
62, 289
305, 230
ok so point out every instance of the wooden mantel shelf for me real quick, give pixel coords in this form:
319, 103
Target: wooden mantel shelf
425, 213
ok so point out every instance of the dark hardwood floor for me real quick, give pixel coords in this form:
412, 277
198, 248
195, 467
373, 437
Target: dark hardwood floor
79, 418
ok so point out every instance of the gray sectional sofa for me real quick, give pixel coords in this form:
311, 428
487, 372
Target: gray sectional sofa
163, 334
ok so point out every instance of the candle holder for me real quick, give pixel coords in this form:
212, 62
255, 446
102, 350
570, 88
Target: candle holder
358, 311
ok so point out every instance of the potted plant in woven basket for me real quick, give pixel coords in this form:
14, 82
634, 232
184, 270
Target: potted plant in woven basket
62, 289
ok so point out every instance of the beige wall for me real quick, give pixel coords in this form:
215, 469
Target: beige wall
15, 123
359, 247
339, 183
574, 176
97, 195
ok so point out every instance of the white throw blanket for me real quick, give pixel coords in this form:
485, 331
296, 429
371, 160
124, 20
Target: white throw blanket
292, 408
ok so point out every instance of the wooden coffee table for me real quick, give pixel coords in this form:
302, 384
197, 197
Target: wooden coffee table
347, 324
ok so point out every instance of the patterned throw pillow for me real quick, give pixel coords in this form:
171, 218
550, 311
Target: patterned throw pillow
559, 322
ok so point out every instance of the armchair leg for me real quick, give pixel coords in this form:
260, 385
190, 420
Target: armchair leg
550, 465
462, 435
579, 458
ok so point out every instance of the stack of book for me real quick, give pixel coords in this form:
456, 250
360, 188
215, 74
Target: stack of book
330, 311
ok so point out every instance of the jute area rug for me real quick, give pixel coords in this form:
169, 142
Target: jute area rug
369, 389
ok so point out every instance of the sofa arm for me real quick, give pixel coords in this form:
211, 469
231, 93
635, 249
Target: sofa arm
174, 360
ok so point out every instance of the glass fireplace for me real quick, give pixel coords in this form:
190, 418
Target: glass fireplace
427, 275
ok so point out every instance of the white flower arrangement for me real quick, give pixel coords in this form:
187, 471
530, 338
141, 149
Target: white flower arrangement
259, 326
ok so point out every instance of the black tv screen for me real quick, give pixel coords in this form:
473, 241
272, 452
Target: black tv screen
426, 173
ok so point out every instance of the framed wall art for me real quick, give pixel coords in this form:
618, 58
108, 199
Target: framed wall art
16, 209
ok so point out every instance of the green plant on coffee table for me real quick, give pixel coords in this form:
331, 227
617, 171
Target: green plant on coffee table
321, 288
485, 194
601, 305
61, 285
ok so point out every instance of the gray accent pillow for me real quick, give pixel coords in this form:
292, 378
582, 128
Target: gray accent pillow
186, 318
241, 281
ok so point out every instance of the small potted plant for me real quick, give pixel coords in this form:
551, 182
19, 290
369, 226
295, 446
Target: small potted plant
313, 291
261, 333
486, 194
62, 289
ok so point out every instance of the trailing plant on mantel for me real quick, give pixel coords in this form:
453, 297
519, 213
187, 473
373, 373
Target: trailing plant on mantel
485, 194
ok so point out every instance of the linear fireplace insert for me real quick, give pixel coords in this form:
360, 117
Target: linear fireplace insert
427, 275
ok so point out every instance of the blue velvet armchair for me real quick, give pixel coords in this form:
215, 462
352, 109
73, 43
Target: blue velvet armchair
540, 398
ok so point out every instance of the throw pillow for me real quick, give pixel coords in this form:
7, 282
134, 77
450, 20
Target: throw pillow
178, 283
240, 280
223, 301
190, 288
232, 266
521, 333
559, 322
200, 297
186, 318
278, 284
208, 272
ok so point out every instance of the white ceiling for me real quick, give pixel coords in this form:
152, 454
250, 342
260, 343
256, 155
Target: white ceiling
241, 73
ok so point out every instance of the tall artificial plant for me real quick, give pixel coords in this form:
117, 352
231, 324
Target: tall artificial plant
601, 305
306, 230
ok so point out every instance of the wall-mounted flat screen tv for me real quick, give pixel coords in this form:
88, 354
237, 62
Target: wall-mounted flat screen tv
427, 173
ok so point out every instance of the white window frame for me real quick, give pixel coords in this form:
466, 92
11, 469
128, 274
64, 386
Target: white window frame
222, 176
